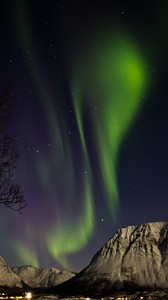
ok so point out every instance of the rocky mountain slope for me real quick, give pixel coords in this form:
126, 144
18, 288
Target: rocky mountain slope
21, 277
135, 257
7, 277
42, 277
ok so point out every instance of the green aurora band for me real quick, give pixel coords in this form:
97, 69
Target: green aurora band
66, 240
62, 238
112, 77
26, 255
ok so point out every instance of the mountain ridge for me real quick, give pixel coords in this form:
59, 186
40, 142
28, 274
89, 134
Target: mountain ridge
25, 277
135, 257
42, 277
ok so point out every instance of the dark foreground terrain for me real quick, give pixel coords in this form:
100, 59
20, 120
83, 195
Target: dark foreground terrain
16, 294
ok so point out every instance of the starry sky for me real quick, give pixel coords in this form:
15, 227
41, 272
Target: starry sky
89, 85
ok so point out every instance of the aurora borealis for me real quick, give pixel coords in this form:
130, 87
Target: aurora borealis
88, 81
114, 79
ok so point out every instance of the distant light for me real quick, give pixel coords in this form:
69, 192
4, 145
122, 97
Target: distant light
28, 295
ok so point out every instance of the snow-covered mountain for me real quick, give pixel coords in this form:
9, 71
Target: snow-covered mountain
7, 277
20, 277
136, 256
42, 277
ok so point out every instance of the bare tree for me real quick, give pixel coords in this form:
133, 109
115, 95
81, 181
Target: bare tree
10, 192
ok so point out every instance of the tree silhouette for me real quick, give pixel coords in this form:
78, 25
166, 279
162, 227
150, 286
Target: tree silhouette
10, 192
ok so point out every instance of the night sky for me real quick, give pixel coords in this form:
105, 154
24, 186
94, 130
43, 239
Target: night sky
89, 84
